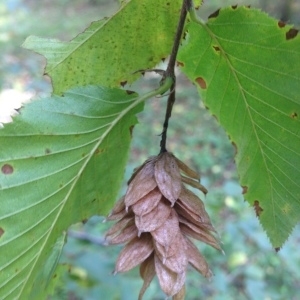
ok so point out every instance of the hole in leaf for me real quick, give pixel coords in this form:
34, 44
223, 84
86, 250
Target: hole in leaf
214, 14
281, 24
180, 64
245, 189
257, 208
233, 6
122, 83
7, 169
1, 232
294, 115
216, 48
201, 82
291, 33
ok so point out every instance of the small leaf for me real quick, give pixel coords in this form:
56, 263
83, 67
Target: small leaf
250, 64
67, 156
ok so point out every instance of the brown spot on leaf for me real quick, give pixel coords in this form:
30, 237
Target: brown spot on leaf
234, 6
235, 148
180, 64
129, 92
277, 249
248, 6
47, 151
213, 115
84, 221
281, 24
122, 83
294, 115
98, 150
201, 82
7, 169
131, 130
245, 189
1, 232
163, 59
83, 155
291, 33
216, 48
214, 14
257, 208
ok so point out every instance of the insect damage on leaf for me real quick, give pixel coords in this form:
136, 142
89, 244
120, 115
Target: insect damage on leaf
214, 14
7, 169
217, 49
1, 232
294, 115
281, 24
291, 33
201, 82
257, 208
245, 189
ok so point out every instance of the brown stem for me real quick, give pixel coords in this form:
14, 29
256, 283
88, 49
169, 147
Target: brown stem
170, 72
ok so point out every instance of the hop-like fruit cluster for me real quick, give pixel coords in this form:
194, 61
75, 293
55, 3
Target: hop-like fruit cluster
156, 218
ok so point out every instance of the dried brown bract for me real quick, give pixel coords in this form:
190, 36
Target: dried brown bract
156, 218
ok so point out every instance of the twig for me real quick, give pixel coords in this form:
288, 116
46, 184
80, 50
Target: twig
170, 72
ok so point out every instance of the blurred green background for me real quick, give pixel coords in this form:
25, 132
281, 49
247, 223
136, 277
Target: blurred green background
250, 269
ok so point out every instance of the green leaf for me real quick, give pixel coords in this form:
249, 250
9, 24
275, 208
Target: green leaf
137, 37
247, 68
61, 161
